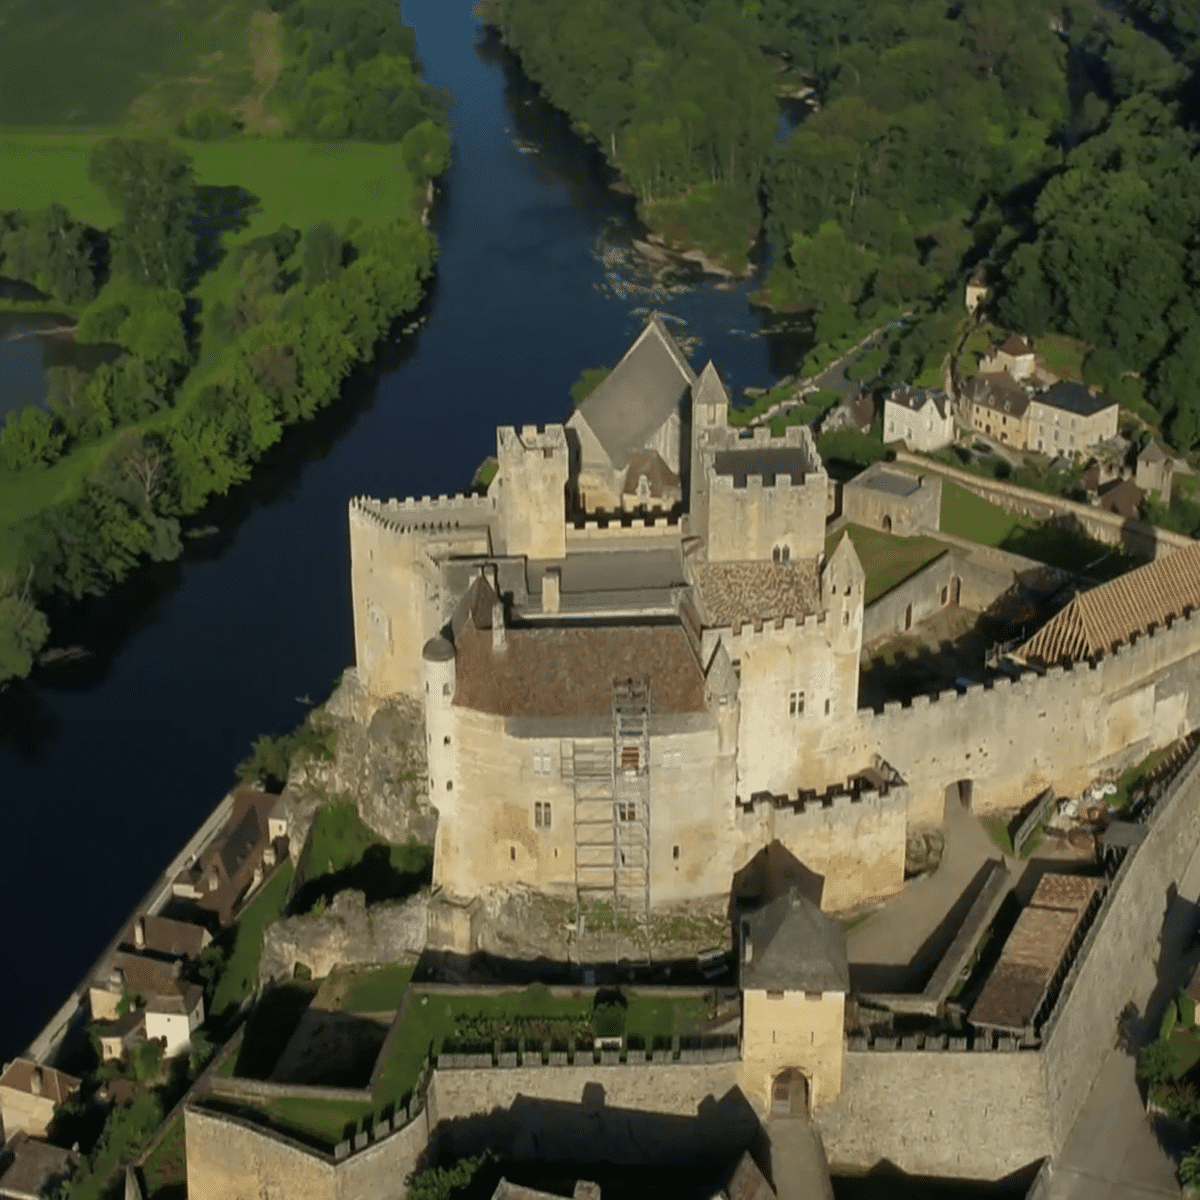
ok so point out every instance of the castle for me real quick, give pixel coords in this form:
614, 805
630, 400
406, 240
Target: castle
639, 668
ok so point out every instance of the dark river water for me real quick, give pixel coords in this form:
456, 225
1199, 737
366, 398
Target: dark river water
110, 759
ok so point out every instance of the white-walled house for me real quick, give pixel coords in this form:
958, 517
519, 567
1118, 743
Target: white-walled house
920, 417
173, 1019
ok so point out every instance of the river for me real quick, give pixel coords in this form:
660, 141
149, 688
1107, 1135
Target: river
111, 757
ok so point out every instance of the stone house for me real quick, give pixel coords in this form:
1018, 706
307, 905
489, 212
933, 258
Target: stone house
996, 405
1068, 418
794, 977
116, 1037
1123, 498
165, 937
977, 290
34, 1170
236, 862
922, 418
892, 500
1154, 471
173, 1018
131, 975
29, 1094
625, 437
1014, 356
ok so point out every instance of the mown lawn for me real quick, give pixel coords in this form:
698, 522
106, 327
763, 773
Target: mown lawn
967, 515
240, 976
1062, 354
432, 1020
888, 560
142, 61
377, 990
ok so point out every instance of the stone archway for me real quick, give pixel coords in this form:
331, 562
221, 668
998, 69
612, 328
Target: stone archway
887, 523
790, 1094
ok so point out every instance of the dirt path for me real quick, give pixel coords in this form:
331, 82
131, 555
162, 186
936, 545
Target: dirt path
266, 58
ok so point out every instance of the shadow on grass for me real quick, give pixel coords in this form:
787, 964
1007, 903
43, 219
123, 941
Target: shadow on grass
270, 1028
220, 209
376, 875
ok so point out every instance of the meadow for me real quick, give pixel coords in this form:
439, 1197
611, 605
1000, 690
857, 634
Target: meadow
139, 63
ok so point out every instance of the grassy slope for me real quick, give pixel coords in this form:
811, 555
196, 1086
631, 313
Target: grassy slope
887, 559
139, 62
241, 972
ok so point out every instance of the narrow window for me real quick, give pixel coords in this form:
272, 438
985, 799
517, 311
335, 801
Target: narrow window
827, 706
796, 704
445, 689
449, 785
775, 555
546, 815
786, 554
945, 595
446, 740
674, 851
512, 853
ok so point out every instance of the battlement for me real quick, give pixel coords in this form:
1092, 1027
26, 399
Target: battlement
781, 481
622, 525
779, 629
550, 440
940, 1043
838, 798
426, 514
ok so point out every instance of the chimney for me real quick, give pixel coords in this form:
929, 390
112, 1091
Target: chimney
35, 1081
139, 933
499, 632
550, 591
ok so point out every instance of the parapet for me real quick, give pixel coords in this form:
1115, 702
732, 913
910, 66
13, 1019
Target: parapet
881, 782
427, 514
550, 440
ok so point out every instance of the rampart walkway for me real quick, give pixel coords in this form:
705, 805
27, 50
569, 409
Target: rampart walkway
798, 1167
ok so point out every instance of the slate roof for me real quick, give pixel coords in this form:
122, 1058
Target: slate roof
738, 593
639, 394
765, 461
1109, 615
999, 391
36, 1170
569, 670
181, 1002
1075, 398
57, 1086
915, 399
794, 947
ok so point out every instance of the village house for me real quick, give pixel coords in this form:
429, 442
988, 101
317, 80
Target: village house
117, 1037
921, 417
1068, 418
1154, 471
165, 937
34, 1170
1014, 356
172, 1018
130, 976
235, 863
29, 1094
997, 406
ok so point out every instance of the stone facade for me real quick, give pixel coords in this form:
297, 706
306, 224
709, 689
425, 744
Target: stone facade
922, 418
792, 1031
893, 500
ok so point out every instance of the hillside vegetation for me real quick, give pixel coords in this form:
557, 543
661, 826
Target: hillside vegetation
241, 274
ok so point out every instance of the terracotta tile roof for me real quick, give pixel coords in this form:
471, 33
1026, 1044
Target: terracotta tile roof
1109, 615
568, 671
1010, 997
57, 1086
147, 976
739, 593
1015, 345
1069, 892
164, 935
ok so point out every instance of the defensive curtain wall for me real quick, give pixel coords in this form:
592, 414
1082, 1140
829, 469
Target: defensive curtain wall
985, 1107
1135, 537
1010, 739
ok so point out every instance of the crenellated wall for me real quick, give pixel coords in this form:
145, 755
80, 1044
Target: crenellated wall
748, 522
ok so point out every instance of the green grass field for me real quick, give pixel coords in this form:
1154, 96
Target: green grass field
967, 515
379, 990
142, 62
888, 560
165, 1169
1062, 354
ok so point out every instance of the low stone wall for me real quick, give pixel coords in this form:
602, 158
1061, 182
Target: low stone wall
969, 1115
619, 1113
1136, 537
348, 933
233, 1088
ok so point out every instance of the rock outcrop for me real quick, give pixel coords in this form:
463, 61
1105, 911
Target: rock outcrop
380, 763
348, 933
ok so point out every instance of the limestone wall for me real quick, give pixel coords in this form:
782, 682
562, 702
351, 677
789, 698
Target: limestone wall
904, 516
799, 1030
1122, 940
618, 1113
965, 1114
229, 1157
1136, 537
855, 844
749, 522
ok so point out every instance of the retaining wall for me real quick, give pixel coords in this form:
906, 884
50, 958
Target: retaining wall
1136, 537
1121, 942
965, 1114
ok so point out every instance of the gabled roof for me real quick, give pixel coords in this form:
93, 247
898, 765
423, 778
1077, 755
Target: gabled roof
1123, 498
999, 391
915, 399
37, 1168
1015, 346
1095, 622
57, 1086
1151, 452
165, 935
790, 945
640, 394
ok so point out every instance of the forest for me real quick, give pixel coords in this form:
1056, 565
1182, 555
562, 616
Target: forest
1051, 144
216, 348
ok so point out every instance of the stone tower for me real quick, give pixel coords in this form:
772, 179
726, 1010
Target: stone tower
843, 588
530, 488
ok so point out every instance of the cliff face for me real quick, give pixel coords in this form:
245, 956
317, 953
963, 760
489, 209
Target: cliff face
380, 763
348, 933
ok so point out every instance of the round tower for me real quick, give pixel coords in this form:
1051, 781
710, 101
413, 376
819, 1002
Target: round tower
438, 666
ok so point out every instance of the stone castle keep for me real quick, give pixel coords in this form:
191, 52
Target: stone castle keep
640, 669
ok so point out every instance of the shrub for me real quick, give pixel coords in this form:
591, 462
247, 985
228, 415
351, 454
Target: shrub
207, 122
1155, 1063
1170, 1017
1187, 1010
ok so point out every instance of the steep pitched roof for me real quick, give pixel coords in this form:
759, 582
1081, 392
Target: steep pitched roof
56, 1086
1072, 397
999, 391
790, 945
1109, 615
648, 463
165, 935
1123, 498
915, 399
1015, 345
640, 393
1151, 452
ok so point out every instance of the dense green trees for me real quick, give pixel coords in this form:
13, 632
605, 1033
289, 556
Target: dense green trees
50, 251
